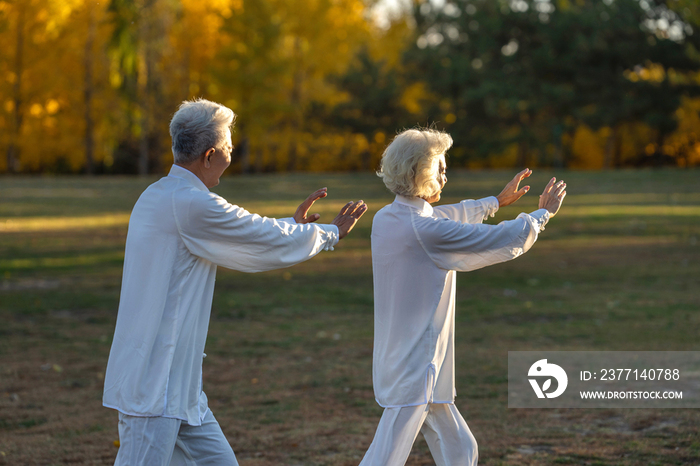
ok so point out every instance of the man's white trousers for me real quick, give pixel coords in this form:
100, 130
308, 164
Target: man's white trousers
450, 441
161, 441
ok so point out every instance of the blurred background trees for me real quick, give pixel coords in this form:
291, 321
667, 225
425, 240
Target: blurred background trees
89, 86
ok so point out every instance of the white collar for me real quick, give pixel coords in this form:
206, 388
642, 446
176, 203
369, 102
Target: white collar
177, 171
415, 202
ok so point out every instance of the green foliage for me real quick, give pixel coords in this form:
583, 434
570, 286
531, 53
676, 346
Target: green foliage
529, 72
374, 93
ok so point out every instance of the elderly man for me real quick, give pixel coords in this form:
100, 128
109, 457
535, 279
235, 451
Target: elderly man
179, 232
416, 250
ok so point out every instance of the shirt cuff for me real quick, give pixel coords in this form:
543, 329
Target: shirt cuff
287, 220
490, 206
541, 217
332, 236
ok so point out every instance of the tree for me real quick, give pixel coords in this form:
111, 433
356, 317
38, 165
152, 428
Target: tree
31, 29
273, 66
529, 72
138, 47
373, 105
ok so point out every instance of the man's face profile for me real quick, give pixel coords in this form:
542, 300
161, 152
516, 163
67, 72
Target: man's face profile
219, 160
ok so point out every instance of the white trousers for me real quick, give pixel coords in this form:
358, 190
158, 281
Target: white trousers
161, 441
450, 441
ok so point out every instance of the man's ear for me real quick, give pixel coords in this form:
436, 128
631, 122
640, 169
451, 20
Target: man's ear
207, 156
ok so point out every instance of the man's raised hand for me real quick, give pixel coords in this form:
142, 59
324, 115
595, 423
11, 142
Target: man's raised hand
511, 193
345, 220
553, 196
303, 209
348, 217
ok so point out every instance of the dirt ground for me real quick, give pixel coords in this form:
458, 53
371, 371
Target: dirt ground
288, 371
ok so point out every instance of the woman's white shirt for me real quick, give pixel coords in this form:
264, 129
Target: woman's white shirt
416, 250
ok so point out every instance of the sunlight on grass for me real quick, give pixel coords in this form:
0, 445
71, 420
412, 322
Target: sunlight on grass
600, 241
54, 262
46, 193
632, 199
642, 210
63, 223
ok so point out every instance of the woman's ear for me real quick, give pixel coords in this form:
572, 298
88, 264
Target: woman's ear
207, 157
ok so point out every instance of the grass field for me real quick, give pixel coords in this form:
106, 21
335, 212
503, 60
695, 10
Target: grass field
288, 372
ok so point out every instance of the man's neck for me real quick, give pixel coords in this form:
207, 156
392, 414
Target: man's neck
193, 167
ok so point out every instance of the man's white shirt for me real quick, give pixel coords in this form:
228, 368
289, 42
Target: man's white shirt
416, 250
178, 233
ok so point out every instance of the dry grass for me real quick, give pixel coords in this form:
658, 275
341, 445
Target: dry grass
288, 371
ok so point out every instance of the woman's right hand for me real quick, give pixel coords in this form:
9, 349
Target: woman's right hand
552, 196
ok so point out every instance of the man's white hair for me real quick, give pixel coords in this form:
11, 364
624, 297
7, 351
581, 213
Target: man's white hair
409, 164
197, 126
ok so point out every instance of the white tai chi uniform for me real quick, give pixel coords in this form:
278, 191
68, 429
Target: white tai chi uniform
178, 233
416, 250
163, 441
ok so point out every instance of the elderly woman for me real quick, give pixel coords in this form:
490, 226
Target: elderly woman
416, 249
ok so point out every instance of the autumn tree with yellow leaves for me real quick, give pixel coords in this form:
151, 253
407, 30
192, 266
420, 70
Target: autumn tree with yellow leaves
90, 85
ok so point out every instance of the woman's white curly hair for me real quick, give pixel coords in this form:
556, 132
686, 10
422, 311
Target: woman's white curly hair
409, 165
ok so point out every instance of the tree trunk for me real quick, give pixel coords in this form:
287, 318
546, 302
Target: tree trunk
523, 148
244, 153
153, 26
185, 78
366, 160
143, 140
259, 161
13, 149
558, 155
660, 156
155, 98
609, 161
296, 106
617, 152
142, 102
87, 93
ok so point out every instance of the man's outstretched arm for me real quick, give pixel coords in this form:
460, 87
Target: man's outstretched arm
232, 237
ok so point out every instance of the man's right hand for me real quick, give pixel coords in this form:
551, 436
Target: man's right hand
553, 196
348, 217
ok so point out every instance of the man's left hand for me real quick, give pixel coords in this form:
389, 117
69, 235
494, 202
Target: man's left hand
511, 193
303, 209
